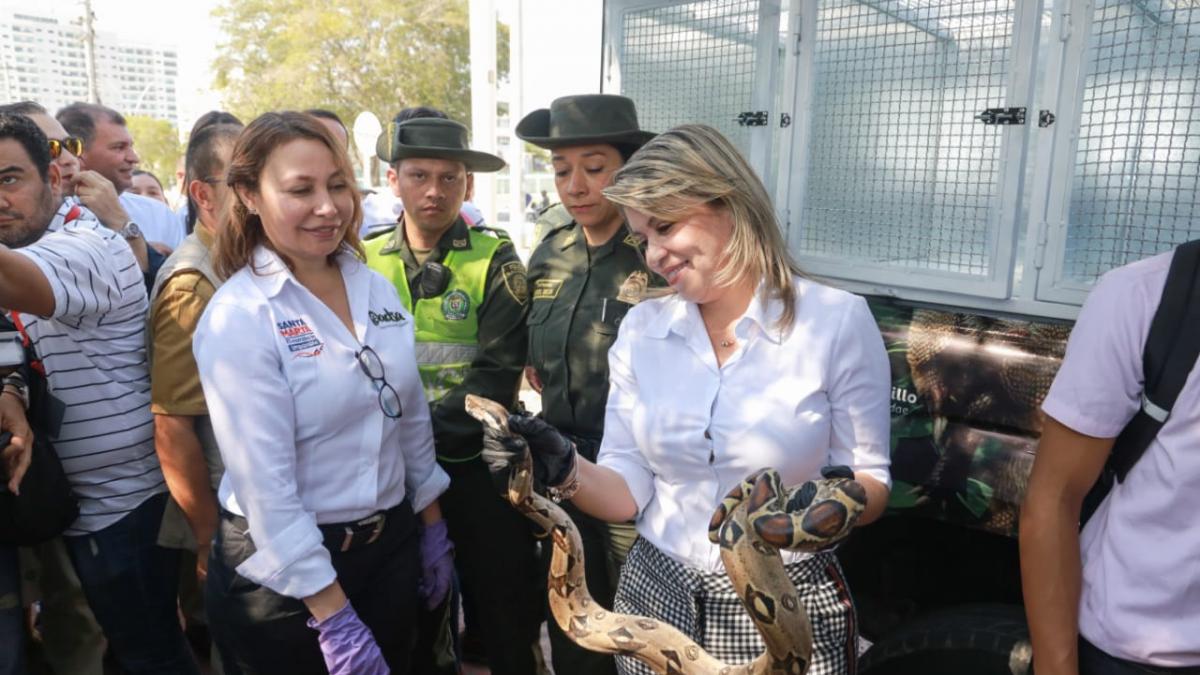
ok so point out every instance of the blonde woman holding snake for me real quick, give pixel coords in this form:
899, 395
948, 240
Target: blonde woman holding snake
747, 365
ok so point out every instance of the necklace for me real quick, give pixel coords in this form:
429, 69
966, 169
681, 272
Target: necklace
728, 343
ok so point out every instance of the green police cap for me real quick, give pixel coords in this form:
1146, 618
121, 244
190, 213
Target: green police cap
432, 138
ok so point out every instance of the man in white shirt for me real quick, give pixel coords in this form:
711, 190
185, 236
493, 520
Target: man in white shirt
1123, 595
76, 293
108, 150
93, 191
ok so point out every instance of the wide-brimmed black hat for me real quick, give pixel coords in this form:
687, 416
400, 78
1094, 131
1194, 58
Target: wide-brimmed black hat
432, 138
584, 119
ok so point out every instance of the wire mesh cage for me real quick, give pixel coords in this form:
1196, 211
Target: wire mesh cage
1135, 190
691, 62
902, 175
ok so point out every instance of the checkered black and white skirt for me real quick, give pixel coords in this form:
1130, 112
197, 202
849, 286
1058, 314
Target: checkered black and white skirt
706, 608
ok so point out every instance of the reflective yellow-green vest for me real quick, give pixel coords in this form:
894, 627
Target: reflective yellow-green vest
447, 326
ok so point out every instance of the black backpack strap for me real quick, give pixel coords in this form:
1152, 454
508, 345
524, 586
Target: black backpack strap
1172, 348
1171, 351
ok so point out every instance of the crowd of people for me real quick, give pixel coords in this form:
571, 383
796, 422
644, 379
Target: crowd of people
260, 397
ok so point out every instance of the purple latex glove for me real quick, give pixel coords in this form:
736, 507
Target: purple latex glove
437, 564
348, 646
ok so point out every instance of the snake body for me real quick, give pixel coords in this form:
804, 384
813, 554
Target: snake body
752, 523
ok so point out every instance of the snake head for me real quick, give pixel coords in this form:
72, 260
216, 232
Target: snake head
506, 454
492, 415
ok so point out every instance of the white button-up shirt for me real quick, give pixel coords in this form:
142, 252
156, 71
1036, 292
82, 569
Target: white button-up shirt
683, 431
155, 219
299, 425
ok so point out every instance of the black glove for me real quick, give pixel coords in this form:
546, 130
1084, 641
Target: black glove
802, 497
500, 452
837, 471
553, 453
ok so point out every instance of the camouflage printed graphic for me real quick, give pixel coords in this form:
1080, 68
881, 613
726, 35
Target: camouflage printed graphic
966, 391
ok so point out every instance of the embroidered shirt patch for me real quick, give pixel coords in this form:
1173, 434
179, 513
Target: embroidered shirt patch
456, 305
546, 289
514, 281
300, 339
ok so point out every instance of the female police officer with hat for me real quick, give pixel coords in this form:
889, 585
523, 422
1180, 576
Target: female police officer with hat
583, 277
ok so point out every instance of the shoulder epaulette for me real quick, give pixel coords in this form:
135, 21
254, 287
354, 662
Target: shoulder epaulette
556, 229
497, 232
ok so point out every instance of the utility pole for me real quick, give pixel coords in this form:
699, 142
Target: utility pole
516, 147
89, 50
482, 25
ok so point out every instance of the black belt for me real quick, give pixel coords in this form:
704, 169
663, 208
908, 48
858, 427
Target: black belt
342, 537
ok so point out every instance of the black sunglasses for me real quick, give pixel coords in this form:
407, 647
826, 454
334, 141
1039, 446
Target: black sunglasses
72, 145
372, 367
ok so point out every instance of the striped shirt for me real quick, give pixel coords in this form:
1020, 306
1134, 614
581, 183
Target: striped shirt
93, 349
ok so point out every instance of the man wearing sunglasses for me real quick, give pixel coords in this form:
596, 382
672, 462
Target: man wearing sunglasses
108, 150
93, 191
73, 640
75, 292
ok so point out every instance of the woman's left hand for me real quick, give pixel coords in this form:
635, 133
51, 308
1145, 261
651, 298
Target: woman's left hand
437, 563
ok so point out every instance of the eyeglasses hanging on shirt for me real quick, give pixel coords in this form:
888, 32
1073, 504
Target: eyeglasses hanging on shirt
372, 367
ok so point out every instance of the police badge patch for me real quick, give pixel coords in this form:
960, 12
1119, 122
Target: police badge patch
456, 305
514, 281
633, 289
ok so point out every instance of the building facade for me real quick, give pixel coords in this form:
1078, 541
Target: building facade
43, 58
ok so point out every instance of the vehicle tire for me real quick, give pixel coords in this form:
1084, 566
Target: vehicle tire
974, 640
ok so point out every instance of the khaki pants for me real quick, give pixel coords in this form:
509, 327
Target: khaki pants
72, 642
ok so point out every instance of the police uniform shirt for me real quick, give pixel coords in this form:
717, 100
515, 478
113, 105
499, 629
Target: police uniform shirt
683, 431
495, 373
576, 308
299, 424
1138, 599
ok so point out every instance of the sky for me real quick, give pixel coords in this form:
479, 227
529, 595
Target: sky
550, 69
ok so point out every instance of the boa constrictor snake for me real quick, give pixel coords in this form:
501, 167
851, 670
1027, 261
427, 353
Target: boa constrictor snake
752, 523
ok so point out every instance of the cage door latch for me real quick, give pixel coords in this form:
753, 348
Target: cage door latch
753, 118
1002, 116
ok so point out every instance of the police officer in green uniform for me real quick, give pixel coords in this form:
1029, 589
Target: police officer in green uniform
583, 278
467, 292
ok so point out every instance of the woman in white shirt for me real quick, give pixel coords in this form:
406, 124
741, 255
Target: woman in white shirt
748, 365
329, 501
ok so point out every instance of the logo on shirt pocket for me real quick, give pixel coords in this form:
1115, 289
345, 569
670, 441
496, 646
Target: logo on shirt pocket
386, 317
301, 341
456, 305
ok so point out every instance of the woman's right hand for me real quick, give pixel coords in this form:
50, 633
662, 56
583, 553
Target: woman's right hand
347, 644
553, 453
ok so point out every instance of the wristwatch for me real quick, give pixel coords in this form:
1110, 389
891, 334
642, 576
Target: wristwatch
14, 384
130, 231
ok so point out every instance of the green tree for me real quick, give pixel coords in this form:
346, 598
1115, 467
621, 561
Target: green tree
347, 56
157, 143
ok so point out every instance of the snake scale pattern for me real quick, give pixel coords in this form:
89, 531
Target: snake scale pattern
753, 522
